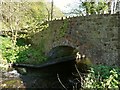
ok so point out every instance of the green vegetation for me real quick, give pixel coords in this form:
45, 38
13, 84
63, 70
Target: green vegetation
92, 7
21, 54
8, 51
102, 77
63, 28
25, 17
88, 8
20, 21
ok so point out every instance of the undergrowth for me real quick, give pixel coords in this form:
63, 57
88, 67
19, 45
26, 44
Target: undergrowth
102, 77
20, 53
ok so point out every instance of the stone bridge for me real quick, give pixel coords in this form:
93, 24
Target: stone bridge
96, 36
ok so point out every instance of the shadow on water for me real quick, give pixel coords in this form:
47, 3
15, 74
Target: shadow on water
47, 77
34, 79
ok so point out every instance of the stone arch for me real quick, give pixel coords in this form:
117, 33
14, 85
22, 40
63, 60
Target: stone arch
61, 51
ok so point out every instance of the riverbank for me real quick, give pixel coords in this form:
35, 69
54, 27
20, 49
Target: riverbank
13, 79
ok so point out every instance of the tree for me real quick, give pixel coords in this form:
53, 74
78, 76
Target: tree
25, 17
95, 7
91, 7
87, 7
52, 10
114, 6
12, 18
19, 15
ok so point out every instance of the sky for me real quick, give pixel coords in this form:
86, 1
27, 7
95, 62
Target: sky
63, 4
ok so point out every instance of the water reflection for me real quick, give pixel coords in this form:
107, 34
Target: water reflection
13, 79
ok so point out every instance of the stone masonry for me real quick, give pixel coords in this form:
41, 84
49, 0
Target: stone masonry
96, 36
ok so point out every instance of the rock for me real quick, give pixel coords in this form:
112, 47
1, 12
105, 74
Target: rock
83, 63
13, 73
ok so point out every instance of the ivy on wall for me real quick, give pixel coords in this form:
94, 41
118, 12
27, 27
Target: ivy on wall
63, 28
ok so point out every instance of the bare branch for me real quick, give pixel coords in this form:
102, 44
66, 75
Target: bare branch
61, 81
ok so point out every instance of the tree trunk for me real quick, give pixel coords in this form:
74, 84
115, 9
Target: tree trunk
52, 10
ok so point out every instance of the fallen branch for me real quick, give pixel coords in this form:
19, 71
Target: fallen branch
61, 81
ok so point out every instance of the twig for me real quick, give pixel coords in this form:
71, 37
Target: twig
79, 73
61, 81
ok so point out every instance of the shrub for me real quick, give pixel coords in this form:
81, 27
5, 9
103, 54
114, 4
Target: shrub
20, 54
101, 76
8, 51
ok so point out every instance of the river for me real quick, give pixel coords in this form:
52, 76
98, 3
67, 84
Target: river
13, 79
